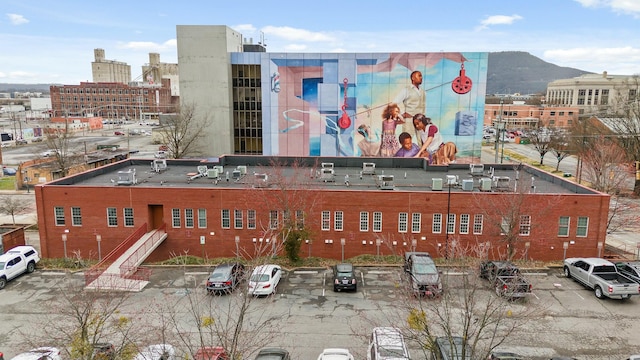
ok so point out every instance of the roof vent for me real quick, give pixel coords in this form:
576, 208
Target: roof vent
501, 182
386, 182
368, 168
485, 184
476, 169
159, 165
261, 180
327, 174
467, 184
452, 180
202, 172
436, 184
127, 177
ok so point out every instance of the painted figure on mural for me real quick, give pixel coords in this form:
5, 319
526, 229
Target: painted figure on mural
433, 145
370, 144
390, 119
408, 147
413, 99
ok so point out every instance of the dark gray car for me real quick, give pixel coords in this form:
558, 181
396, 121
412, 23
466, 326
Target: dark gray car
225, 277
424, 277
273, 354
630, 269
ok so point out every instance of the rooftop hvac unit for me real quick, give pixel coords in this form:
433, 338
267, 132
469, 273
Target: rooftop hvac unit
202, 171
243, 169
452, 180
501, 182
327, 165
485, 184
213, 174
476, 169
159, 165
467, 184
386, 182
368, 168
220, 168
261, 180
236, 174
436, 184
327, 174
127, 177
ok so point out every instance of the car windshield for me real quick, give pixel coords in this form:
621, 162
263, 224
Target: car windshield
260, 277
345, 273
393, 353
269, 357
219, 275
423, 269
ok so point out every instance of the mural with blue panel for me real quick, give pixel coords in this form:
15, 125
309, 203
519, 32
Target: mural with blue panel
334, 104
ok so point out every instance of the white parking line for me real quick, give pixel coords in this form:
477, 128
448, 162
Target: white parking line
362, 278
305, 272
378, 272
196, 273
580, 296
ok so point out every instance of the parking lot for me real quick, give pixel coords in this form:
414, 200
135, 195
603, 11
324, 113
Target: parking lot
309, 316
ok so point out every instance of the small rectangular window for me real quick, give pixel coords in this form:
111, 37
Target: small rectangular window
563, 226
188, 218
525, 225
128, 217
273, 219
338, 220
364, 221
403, 219
451, 224
59, 213
175, 218
76, 216
377, 221
416, 222
202, 218
464, 223
436, 227
251, 219
237, 219
112, 216
582, 227
326, 220
226, 218
477, 224
505, 226
299, 219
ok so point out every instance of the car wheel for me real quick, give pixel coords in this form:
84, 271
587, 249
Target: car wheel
335, 289
567, 273
3, 282
31, 267
625, 297
598, 292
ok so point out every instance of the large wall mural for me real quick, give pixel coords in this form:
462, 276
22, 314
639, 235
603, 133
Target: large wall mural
366, 104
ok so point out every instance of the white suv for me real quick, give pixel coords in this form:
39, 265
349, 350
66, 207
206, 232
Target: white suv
387, 343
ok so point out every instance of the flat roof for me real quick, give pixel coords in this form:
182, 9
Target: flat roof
329, 173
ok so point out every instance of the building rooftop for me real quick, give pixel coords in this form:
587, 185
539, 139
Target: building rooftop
328, 173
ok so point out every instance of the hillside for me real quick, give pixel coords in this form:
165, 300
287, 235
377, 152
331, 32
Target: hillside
509, 72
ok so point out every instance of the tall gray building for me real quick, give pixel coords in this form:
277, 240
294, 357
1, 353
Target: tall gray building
104, 70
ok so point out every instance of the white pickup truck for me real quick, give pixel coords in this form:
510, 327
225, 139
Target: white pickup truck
602, 276
17, 261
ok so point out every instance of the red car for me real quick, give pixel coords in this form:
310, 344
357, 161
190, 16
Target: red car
211, 353
118, 133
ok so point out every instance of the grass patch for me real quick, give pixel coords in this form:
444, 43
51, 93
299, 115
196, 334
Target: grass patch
8, 183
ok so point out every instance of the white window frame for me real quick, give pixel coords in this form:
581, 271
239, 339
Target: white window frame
299, 219
436, 226
451, 224
251, 219
76, 218
364, 221
58, 212
176, 221
403, 222
505, 226
416, 223
112, 217
377, 221
202, 218
525, 225
128, 218
562, 226
225, 218
338, 221
273, 219
237, 219
326, 220
579, 227
478, 224
188, 218
464, 223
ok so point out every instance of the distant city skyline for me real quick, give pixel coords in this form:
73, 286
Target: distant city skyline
44, 42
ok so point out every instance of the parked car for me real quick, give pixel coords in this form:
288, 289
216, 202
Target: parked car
423, 275
273, 354
335, 354
119, 133
506, 278
225, 277
157, 352
502, 355
387, 343
264, 279
17, 261
344, 277
451, 348
36, 139
630, 270
41, 353
602, 276
9, 171
49, 153
211, 353
21, 142
103, 351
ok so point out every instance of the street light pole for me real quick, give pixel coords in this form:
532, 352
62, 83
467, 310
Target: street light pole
446, 229
342, 243
64, 242
237, 246
99, 239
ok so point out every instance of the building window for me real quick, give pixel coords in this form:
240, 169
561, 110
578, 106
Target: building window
451, 224
436, 227
112, 216
582, 227
377, 221
59, 213
202, 218
505, 227
338, 220
525, 225
273, 219
464, 223
326, 220
226, 218
128, 217
237, 219
286, 218
416, 222
188, 218
76, 216
364, 221
563, 226
175, 218
403, 220
299, 219
251, 219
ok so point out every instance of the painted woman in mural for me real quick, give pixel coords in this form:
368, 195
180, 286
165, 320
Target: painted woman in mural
390, 119
433, 145
370, 144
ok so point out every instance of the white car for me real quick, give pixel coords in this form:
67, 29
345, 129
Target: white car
264, 279
41, 353
335, 354
157, 352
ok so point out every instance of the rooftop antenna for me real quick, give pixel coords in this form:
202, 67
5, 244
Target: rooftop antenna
262, 41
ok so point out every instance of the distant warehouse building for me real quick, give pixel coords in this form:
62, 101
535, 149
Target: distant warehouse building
339, 207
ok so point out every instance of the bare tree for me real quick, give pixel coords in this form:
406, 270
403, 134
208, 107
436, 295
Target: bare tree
181, 132
540, 138
623, 212
58, 142
560, 146
602, 165
14, 205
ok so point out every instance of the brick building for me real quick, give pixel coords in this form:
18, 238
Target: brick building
350, 206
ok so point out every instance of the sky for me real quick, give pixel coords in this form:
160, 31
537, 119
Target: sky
43, 41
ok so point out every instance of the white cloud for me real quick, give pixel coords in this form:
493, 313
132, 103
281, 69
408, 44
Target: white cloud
22, 74
244, 28
631, 7
293, 34
149, 45
295, 47
619, 60
2, 75
16, 19
498, 20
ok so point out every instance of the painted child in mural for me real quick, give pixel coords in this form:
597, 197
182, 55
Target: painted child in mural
370, 145
433, 145
390, 119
